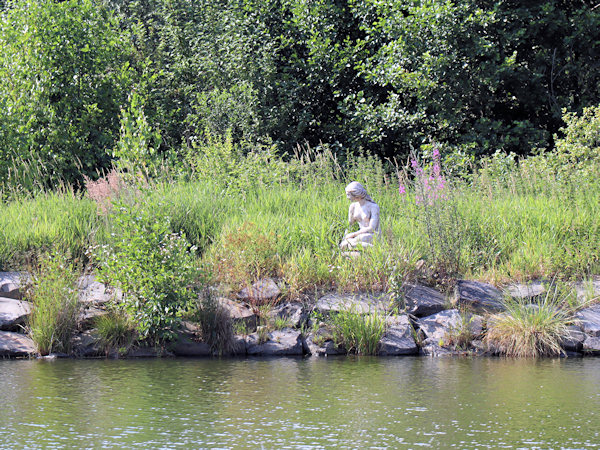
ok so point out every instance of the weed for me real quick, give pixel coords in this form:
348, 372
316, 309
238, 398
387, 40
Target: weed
215, 323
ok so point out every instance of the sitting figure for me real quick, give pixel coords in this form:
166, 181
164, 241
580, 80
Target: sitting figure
364, 211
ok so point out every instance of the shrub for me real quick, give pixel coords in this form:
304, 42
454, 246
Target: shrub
154, 268
359, 333
529, 330
55, 307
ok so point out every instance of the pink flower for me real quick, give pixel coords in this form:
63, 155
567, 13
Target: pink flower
414, 164
401, 190
436, 154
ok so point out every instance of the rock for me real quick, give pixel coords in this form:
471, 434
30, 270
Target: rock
526, 291
422, 300
187, 343
476, 325
360, 303
15, 344
592, 345
586, 290
13, 313
239, 313
431, 347
87, 317
143, 352
11, 282
87, 344
398, 338
437, 326
93, 292
263, 291
53, 356
590, 320
239, 345
280, 342
325, 348
293, 312
479, 296
573, 341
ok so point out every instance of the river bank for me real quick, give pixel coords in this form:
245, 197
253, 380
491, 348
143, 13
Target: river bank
425, 322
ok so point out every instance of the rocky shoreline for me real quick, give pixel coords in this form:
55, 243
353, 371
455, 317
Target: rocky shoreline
431, 323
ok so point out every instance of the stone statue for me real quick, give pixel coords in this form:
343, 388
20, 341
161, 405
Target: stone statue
364, 211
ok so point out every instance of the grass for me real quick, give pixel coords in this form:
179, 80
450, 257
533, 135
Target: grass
55, 305
520, 229
358, 333
116, 332
530, 330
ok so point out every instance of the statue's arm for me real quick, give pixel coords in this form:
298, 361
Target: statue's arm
351, 219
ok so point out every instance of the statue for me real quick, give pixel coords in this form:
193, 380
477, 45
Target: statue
364, 211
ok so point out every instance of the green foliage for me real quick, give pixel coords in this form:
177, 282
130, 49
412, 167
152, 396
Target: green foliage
53, 293
359, 333
154, 267
64, 72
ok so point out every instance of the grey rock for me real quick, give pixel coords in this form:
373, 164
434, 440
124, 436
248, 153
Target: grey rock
437, 326
239, 313
93, 292
361, 303
293, 312
143, 352
262, 291
15, 345
590, 320
13, 313
431, 347
188, 344
86, 344
592, 345
280, 342
476, 323
11, 284
87, 317
326, 348
526, 291
481, 297
588, 290
398, 338
53, 356
422, 300
573, 340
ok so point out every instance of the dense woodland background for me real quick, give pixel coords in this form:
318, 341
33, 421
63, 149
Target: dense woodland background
383, 77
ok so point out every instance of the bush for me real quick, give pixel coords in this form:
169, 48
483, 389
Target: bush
154, 267
55, 307
359, 333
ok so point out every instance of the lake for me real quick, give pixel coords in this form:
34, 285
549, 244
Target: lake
360, 402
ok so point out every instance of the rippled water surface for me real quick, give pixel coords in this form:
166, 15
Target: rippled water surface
301, 403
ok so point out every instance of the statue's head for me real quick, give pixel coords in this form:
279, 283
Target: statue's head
356, 191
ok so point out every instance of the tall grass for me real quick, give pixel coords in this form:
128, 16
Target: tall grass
55, 304
358, 333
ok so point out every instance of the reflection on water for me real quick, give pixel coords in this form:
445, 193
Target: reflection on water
296, 403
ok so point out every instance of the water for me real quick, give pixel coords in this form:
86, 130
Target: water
301, 403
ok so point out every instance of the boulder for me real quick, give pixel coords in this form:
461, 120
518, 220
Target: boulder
360, 303
188, 344
11, 282
437, 326
323, 348
431, 347
16, 344
239, 313
95, 293
279, 342
87, 317
573, 340
586, 290
13, 313
590, 320
592, 345
263, 291
398, 338
143, 352
87, 344
481, 297
422, 300
526, 291
293, 312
